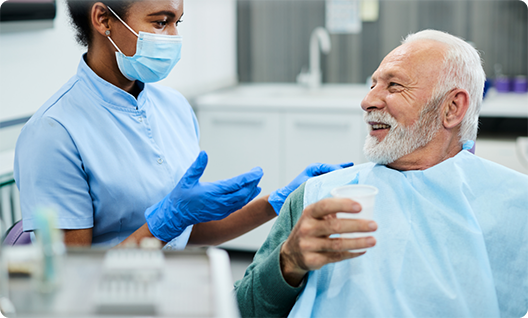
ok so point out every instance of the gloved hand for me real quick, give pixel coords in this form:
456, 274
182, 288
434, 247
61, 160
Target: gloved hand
192, 202
277, 198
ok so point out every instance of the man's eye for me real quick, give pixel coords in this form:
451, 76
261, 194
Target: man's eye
393, 84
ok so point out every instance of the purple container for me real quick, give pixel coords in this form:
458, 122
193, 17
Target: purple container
520, 85
502, 84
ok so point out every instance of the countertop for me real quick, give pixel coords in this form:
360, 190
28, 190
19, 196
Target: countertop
331, 97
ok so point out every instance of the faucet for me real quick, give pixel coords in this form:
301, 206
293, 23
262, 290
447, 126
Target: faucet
312, 77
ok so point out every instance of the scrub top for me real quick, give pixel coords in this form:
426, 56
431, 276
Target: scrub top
100, 158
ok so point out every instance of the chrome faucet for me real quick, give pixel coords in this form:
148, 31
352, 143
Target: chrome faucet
312, 77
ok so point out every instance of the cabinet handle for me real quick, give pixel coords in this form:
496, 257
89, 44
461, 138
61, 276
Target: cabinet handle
325, 126
239, 122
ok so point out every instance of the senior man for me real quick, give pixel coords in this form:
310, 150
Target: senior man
453, 228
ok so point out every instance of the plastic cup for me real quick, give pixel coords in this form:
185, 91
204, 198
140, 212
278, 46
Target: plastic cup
364, 195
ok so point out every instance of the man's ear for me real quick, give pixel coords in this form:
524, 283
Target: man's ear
100, 18
455, 108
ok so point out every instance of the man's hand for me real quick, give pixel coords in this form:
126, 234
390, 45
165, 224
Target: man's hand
309, 247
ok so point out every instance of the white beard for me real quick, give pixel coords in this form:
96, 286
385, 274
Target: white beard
400, 140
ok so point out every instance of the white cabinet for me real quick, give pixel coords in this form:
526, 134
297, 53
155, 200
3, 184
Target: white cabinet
285, 127
281, 128
283, 143
238, 141
239, 131
235, 142
319, 137
504, 141
512, 153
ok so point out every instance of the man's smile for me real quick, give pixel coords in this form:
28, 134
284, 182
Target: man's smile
377, 126
379, 130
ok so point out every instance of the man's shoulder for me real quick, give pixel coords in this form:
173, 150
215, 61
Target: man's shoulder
473, 164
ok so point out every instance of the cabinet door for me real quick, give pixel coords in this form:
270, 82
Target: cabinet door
507, 152
237, 141
318, 137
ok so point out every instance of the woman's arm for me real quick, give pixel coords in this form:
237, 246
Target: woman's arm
82, 237
252, 215
136, 237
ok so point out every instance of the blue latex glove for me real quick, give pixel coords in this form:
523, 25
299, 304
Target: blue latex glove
192, 202
277, 198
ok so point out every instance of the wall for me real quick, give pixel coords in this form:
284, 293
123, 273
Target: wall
277, 33
37, 58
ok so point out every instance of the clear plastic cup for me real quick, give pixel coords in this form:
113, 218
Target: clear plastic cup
364, 195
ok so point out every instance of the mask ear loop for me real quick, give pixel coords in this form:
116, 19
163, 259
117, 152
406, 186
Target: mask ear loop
108, 37
108, 33
122, 21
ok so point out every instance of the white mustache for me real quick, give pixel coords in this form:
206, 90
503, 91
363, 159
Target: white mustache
380, 117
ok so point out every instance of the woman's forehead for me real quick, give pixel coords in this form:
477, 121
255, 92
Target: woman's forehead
152, 7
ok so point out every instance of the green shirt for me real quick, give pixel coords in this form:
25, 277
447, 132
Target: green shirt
263, 292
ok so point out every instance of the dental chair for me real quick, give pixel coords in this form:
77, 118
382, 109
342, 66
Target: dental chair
16, 236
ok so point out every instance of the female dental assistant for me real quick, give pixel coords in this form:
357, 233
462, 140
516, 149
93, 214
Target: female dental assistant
110, 150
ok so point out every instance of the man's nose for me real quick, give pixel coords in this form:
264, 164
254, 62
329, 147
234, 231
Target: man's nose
373, 101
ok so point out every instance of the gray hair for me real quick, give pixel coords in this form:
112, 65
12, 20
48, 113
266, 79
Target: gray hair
462, 69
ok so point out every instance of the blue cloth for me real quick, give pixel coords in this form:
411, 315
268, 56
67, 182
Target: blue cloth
452, 241
100, 157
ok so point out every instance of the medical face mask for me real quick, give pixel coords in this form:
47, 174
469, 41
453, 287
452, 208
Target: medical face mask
156, 55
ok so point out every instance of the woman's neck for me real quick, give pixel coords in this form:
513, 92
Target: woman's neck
104, 64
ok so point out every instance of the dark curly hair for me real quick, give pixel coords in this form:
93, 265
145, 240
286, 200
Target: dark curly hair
80, 19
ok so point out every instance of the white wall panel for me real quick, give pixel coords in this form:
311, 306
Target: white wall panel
37, 58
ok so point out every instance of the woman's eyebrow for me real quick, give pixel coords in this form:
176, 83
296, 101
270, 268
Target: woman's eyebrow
167, 13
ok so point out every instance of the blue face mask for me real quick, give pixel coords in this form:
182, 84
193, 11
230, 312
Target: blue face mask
156, 55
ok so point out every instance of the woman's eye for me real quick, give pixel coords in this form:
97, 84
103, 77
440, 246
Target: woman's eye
179, 21
393, 84
161, 24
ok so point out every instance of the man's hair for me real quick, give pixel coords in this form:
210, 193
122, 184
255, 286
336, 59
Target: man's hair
462, 68
80, 19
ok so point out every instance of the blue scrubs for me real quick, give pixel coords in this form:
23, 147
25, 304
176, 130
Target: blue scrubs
100, 158
452, 241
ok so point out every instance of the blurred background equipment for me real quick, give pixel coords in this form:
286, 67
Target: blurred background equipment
24, 10
122, 283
